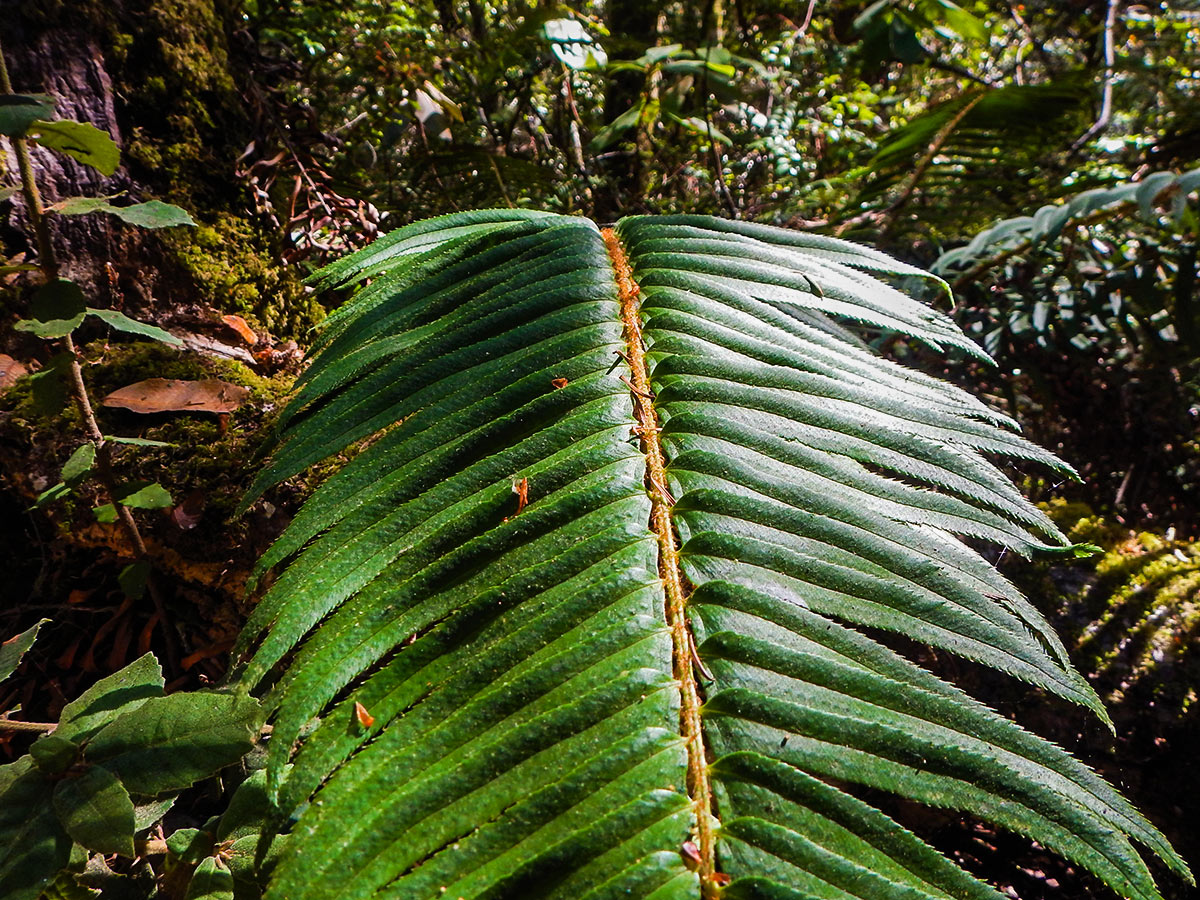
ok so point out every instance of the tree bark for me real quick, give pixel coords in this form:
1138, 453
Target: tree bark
66, 62
156, 76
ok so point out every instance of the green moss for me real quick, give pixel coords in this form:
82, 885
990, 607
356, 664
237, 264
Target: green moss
206, 454
185, 123
172, 72
234, 265
1133, 613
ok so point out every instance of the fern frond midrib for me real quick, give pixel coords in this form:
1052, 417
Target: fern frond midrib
670, 571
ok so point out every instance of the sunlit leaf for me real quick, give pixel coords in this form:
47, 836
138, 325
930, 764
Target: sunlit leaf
212, 880
122, 322
573, 45
741, 515
169, 743
79, 464
151, 214
58, 309
19, 111
136, 442
81, 141
13, 649
143, 495
121, 692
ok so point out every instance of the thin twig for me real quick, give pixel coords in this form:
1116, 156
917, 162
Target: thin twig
808, 14
939, 141
1110, 24
718, 163
34, 727
500, 182
943, 66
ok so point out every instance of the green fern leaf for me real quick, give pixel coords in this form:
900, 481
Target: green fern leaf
581, 618
1022, 233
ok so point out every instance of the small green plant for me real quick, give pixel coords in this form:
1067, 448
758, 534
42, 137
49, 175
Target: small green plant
97, 781
100, 778
59, 307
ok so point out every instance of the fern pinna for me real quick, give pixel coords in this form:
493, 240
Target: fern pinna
579, 617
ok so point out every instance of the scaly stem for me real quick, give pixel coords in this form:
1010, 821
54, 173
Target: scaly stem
674, 584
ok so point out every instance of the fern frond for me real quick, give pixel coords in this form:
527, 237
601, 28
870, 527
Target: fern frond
486, 579
994, 136
1017, 235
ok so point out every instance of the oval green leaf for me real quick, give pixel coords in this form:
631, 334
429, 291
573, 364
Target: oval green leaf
15, 647
58, 309
81, 141
169, 743
122, 322
96, 811
212, 880
19, 111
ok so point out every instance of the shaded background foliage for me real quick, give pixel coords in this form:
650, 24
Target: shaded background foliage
294, 130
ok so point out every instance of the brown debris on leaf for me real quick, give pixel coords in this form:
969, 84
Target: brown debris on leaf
365, 719
157, 395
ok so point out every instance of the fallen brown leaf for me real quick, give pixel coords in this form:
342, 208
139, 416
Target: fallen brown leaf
187, 514
10, 371
244, 331
156, 395
205, 653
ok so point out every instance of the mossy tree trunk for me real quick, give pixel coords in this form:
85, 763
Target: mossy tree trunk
68, 62
162, 78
